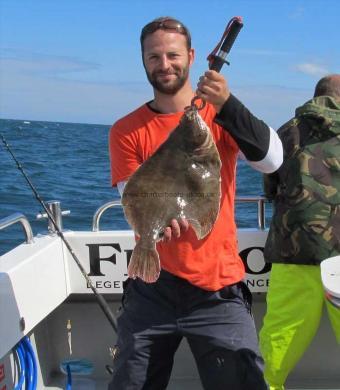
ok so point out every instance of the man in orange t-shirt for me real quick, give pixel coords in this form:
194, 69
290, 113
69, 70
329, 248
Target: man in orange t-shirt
200, 294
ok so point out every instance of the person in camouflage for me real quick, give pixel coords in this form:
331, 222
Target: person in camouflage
305, 229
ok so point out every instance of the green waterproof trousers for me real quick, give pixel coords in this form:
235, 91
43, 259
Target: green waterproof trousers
295, 301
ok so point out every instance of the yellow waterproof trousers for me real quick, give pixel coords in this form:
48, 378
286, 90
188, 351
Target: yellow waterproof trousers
295, 300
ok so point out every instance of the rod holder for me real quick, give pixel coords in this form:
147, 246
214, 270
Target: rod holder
55, 210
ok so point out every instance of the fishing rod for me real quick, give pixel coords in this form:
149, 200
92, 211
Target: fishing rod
102, 303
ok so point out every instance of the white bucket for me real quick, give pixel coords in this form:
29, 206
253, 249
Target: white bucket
330, 276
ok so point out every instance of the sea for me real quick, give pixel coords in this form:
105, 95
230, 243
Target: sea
69, 162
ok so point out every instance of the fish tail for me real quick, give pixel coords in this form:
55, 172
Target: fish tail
144, 264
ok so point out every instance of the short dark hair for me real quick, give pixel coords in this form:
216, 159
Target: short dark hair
165, 23
328, 86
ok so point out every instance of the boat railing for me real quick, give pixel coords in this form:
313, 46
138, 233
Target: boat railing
261, 208
97, 215
260, 200
21, 218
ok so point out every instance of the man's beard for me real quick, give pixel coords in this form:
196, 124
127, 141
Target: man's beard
169, 88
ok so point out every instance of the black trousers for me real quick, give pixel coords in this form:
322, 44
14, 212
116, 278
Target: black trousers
218, 325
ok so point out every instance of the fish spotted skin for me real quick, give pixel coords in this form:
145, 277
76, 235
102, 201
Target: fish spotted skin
180, 180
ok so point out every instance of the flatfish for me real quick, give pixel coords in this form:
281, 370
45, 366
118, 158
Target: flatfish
180, 180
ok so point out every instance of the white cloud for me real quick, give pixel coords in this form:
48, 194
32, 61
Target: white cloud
297, 13
312, 69
46, 87
25, 61
27, 96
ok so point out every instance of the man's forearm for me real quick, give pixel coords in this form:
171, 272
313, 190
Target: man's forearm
260, 144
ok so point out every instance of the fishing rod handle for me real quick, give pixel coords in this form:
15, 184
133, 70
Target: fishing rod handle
227, 44
232, 35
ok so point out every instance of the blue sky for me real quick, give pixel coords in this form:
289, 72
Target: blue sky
79, 60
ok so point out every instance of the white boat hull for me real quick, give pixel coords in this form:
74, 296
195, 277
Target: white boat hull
41, 284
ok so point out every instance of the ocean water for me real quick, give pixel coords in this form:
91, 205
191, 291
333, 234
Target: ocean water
69, 162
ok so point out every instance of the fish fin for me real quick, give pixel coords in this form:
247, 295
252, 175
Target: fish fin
196, 227
144, 264
204, 226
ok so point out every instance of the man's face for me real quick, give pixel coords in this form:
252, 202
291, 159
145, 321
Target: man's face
166, 60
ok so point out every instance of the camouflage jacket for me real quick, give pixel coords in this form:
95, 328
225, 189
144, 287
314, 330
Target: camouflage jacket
305, 228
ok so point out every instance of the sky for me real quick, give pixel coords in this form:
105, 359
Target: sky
80, 61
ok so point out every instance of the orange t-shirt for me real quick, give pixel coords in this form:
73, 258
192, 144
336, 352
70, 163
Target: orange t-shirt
210, 263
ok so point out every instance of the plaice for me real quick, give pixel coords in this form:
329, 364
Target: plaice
180, 180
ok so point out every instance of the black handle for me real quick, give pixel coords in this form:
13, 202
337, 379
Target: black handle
217, 63
230, 38
218, 60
